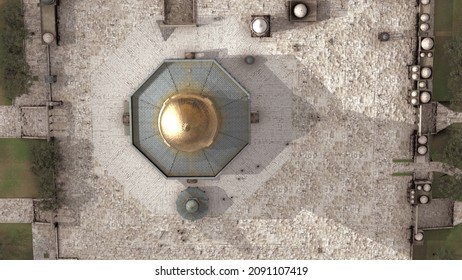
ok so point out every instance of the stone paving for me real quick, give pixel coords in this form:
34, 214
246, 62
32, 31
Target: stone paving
43, 241
16, 211
438, 213
34, 121
457, 213
446, 117
10, 125
315, 182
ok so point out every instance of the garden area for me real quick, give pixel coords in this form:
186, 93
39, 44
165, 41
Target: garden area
16, 177
16, 242
445, 186
27, 170
14, 71
444, 244
446, 146
448, 38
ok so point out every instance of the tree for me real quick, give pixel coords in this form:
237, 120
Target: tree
45, 158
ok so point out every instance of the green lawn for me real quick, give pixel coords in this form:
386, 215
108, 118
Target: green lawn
440, 244
439, 142
16, 177
441, 71
3, 99
16, 242
448, 21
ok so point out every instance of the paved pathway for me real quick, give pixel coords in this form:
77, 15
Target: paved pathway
10, 125
16, 211
428, 167
446, 117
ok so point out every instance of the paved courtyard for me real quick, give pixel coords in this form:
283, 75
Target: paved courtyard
315, 182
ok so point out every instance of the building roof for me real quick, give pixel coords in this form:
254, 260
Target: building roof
190, 118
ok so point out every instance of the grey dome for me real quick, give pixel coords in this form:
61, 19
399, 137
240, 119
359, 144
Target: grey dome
192, 204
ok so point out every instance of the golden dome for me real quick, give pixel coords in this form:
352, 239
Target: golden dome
188, 122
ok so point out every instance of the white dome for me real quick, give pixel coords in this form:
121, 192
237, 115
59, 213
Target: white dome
425, 97
427, 187
419, 187
422, 84
426, 72
429, 54
415, 68
259, 26
423, 199
414, 101
422, 150
48, 38
424, 27
427, 44
415, 76
425, 2
424, 17
414, 93
300, 10
419, 236
422, 140
422, 54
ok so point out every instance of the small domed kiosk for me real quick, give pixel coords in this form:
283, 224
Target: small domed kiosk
192, 204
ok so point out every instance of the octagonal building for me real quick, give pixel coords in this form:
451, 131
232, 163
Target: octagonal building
190, 118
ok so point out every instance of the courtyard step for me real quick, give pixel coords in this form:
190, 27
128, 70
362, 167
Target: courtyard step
16, 211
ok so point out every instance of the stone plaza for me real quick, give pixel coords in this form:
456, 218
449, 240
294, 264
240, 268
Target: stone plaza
315, 181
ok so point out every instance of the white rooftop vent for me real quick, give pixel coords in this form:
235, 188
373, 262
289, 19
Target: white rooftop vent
48, 38
424, 27
424, 199
426, 72
427, 44
424, 17
259, 26
422, 150
425, 97
422, 140
300, 10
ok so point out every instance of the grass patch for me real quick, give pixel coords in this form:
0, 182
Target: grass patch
16, 242
448, 25
440, 244
402, 160
444, 15
402, 174
441, 91
14, 71
445, 186
446, 146
16, 177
